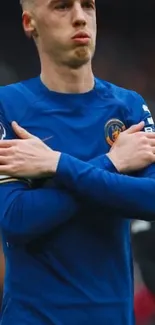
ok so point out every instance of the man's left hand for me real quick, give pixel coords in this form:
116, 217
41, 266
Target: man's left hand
27, 156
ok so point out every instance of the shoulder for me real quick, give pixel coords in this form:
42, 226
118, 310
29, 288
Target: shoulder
17, 97
132, 103
24, 91
127, 96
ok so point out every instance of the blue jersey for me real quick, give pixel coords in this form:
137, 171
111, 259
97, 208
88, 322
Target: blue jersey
67, 240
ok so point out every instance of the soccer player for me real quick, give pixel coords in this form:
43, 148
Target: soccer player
71, 184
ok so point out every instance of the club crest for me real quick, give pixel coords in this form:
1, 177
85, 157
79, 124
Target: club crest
112, 130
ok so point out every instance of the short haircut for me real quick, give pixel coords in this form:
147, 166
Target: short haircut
26, 3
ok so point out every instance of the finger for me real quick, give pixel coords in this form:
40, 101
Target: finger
152, 142
8, 143
21, 132
150, 135
6, 170
5, 152
4, 161
135, 128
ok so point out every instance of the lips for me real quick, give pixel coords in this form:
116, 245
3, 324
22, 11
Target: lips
81, 35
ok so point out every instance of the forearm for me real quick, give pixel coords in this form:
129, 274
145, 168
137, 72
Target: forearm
104, 163
133, 197
26, 213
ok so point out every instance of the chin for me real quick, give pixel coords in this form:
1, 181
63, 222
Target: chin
83, 53
81, 57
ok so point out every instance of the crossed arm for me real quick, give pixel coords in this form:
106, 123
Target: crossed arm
131, 196
26, 212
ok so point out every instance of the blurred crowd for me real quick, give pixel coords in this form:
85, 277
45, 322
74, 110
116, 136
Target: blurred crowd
126, 56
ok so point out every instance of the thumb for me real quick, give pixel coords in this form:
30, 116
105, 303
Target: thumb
136, 128
20, 132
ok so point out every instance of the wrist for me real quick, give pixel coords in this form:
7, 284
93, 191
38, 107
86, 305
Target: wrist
51, 163
108, 164
119, 164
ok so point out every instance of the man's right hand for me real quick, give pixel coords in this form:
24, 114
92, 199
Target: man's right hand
133, 150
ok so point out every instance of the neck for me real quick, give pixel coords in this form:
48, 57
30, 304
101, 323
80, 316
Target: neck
66, 80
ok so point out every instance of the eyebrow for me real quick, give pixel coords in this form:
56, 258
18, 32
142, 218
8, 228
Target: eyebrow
55, 1
52, 2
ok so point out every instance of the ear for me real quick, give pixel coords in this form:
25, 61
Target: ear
29, 24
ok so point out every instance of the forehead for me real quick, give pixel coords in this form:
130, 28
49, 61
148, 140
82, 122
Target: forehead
65, 1
39, 4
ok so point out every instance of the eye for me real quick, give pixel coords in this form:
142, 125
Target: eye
88, 4
62, 6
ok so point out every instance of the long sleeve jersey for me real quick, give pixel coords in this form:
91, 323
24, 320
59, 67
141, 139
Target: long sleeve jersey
67, 240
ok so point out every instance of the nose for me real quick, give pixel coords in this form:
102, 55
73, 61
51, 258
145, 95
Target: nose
78, 15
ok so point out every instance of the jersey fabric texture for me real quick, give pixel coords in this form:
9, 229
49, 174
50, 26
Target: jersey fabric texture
66, 239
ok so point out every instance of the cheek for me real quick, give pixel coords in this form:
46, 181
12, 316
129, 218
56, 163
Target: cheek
53, 29
94, 31
46, 32
93, 27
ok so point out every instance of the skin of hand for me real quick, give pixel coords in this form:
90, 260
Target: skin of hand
27, 156
133, 149
30, 157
